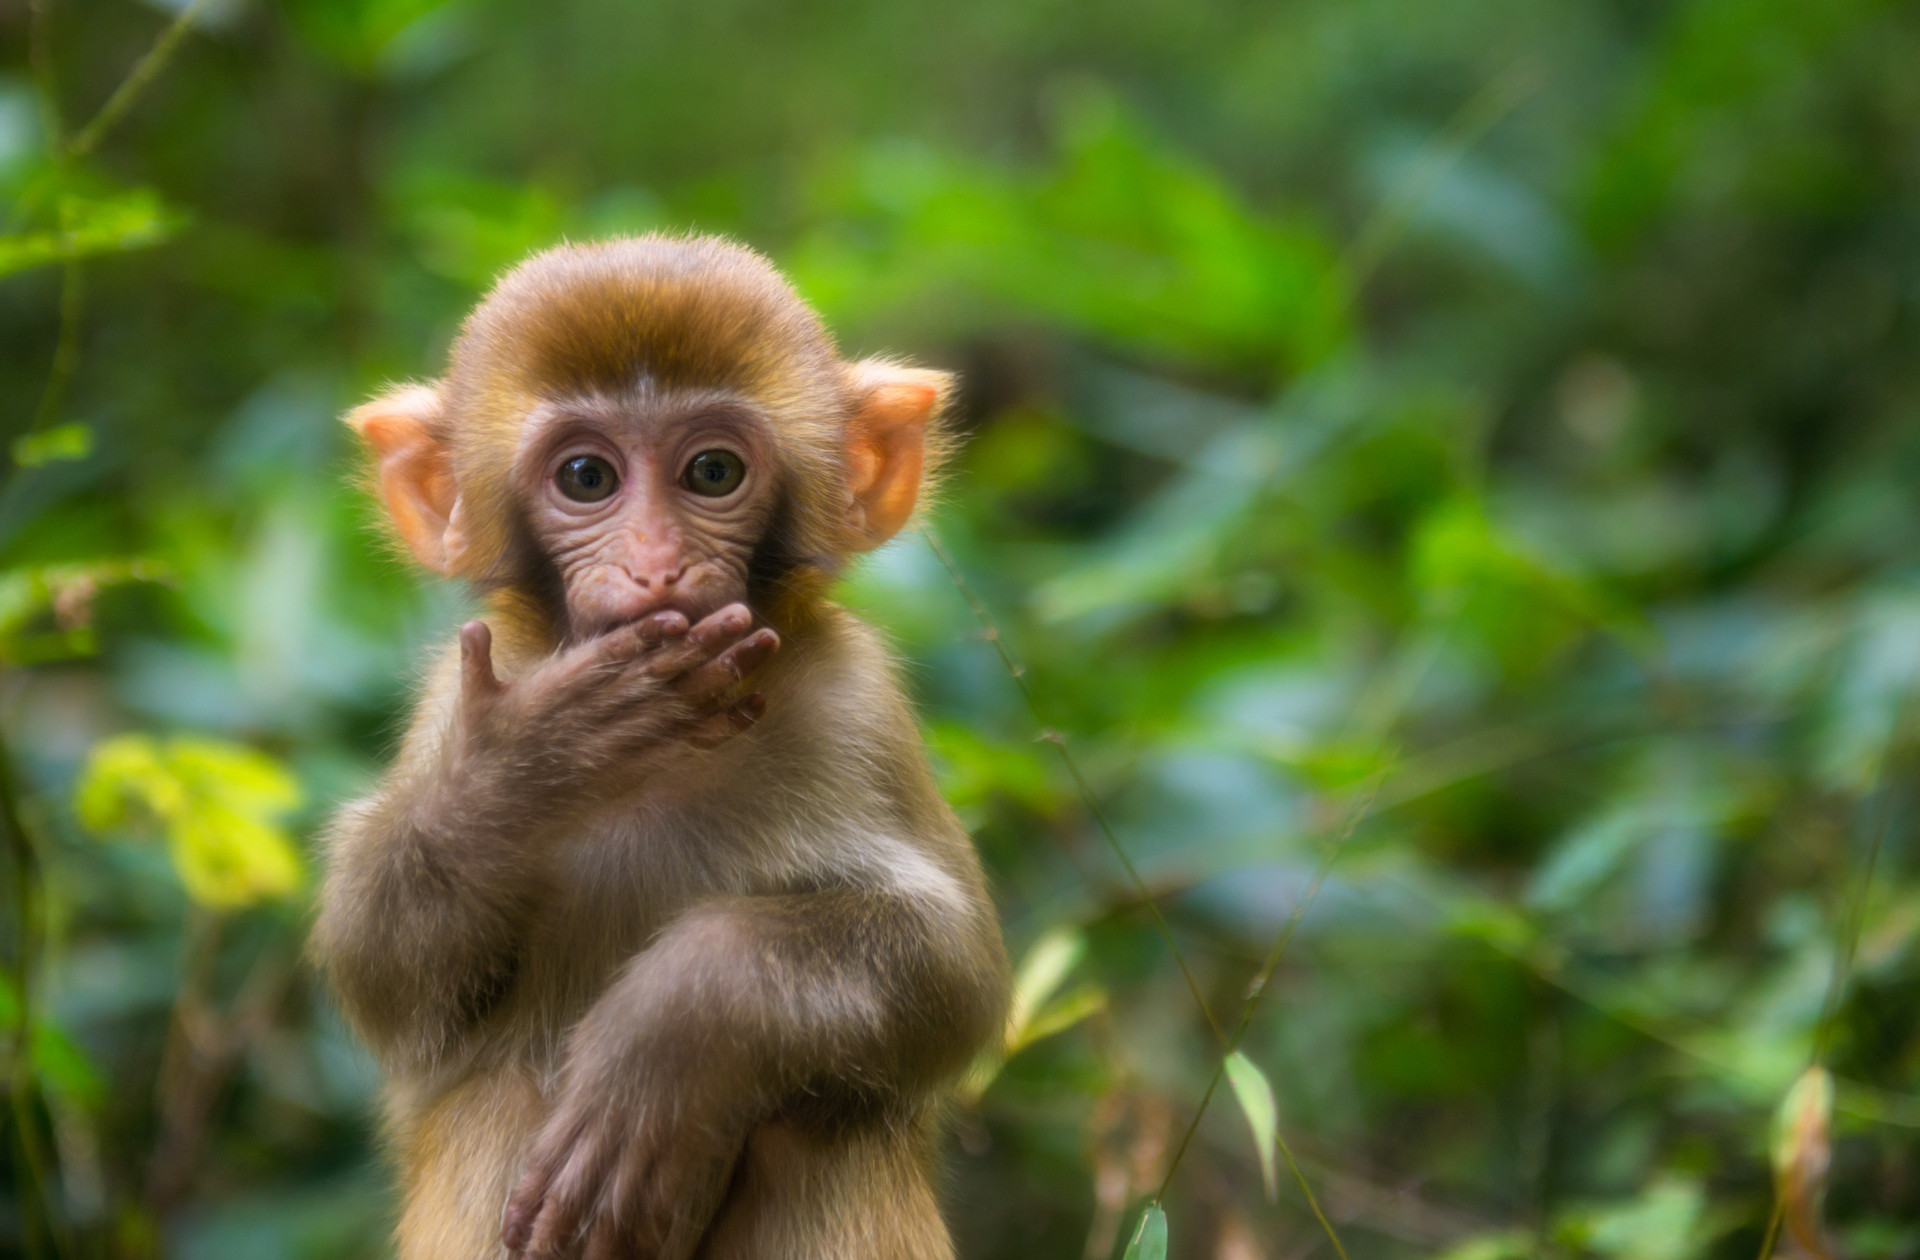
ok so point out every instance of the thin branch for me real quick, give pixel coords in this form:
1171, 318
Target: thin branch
40, 57
34, 1189
66, 350
1477, 117
89, 137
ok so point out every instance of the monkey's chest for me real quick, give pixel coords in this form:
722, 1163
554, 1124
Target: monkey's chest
614, 886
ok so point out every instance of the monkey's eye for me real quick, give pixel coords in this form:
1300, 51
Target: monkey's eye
586, 479
714, 473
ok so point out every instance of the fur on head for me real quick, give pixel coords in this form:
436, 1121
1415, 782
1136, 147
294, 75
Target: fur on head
643, 318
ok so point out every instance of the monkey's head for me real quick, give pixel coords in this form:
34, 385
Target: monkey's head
650, 423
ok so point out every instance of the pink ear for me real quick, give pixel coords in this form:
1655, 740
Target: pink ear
416, 473
887, 446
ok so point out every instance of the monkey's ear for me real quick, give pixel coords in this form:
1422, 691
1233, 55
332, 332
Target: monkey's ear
887, 445
415, 472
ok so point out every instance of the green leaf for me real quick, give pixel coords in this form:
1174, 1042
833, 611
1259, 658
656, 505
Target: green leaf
1150, 1236
1057, 952
126, 221
1061, 1014
1256, 1101
1505, 1244
58, 1061
1663, 1223
66, 441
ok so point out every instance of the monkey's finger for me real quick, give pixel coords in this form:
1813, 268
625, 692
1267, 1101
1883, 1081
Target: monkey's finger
543, 1166
476, 660
661, 626
718, 728
569, 1199
622, 643
705, 641
719, 676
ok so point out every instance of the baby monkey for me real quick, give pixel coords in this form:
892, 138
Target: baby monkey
658, 923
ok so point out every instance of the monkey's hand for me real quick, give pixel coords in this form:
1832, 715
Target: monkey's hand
655, 1106
600, 703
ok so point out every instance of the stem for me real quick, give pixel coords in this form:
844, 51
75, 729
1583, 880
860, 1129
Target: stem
89, 137
40, 57
66, 350
35, 1198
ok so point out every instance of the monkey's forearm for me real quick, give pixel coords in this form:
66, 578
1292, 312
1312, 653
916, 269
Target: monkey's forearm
850, 994
428, 887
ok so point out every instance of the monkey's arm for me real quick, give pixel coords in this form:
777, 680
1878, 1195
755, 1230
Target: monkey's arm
741, 1009
856, 994
421, 913
430, 883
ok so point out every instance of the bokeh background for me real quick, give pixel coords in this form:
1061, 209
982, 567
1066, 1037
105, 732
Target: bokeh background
1445, 472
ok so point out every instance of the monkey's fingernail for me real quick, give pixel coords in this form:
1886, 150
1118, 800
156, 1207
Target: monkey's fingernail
723, 625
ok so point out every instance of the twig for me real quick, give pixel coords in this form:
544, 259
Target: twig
34, 1189
40, 57
1477, 117
203, 1045
89, 137
66, 350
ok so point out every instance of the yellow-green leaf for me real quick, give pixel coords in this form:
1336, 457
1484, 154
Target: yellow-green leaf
1802, 1154
66, 441
1256, 1100
1057, 952
229, 859
1149, 1240
243, 777
1061, 1014
215, 803
123, 774
95, 225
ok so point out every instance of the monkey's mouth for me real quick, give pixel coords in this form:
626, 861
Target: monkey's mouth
592, 622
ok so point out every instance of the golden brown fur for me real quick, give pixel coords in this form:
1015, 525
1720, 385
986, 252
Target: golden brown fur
672, 977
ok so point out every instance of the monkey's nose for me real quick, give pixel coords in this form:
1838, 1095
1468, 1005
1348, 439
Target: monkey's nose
663, 578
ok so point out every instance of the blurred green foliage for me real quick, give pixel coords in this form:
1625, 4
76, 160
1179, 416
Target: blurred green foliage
1469, 448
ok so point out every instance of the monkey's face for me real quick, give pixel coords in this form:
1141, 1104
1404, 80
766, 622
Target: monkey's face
647, 505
